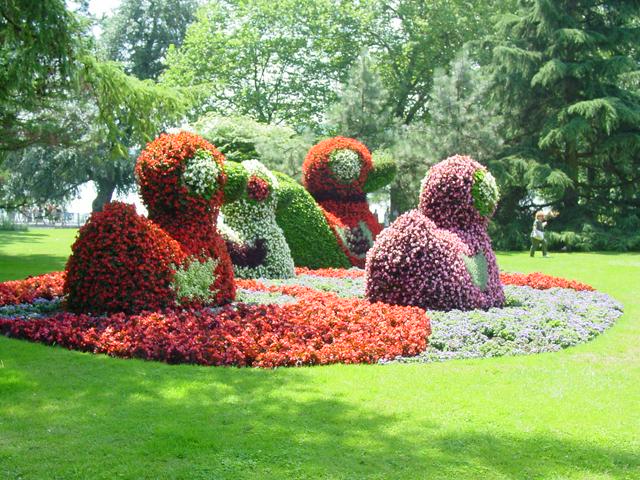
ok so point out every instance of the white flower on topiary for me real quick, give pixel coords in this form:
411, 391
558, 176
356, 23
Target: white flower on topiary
201, 174
345, 164
250, 220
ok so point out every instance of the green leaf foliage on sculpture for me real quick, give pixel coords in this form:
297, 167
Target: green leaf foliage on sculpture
192, 283
304, 225
485, 192
478, 269
383, 172
237, 178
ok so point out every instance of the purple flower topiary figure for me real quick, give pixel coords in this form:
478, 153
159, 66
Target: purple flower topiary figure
439, 255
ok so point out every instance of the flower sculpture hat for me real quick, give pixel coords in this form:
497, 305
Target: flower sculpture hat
439, 256
339, 172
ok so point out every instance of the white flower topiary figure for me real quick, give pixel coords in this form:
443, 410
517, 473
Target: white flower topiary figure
262, 250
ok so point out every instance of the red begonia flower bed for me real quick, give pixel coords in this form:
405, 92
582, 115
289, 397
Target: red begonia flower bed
541, 281
319, 328
46, 286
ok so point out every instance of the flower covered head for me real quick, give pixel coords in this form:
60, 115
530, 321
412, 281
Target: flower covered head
179, 172
337, 168
256, 185
458, 191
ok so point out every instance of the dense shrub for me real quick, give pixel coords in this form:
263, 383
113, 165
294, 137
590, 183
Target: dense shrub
439, 256
253, 219
182, 182
121, 262
311, 240
336, 172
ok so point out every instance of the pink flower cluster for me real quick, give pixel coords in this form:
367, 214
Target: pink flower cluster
438, 256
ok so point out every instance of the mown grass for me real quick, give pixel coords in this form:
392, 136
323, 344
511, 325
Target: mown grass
573, 414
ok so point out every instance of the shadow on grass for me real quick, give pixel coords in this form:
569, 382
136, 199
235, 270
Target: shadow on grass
72, 415
9, 237
17, 267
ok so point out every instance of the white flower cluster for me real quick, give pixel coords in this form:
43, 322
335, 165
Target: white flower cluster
345, 165
201, 174
251, 221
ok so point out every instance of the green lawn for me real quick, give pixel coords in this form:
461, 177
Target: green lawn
574, 414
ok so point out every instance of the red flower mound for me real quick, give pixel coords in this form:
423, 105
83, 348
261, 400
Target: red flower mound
188, 218
320, 328
344, 204
541, 281
121, 262
46, 286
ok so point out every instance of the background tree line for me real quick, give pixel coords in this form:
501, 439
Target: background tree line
545, 92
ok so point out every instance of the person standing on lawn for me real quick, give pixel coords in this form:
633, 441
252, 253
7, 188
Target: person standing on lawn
537, 233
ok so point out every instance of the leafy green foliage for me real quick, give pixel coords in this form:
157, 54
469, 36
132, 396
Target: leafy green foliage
192, 283
484, 192
39, 47
242, 138
413, 38
237, 177
363, 110
310, 239
477, 267
383, 172
563, 81
273, 78
291, 77
138, 34
461, 122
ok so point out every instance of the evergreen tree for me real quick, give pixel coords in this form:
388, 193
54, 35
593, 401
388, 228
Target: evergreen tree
362, 111
573, 124
460, 122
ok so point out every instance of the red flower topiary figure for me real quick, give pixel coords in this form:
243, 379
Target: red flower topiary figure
338, 173
182, 181
121, 262
439, 256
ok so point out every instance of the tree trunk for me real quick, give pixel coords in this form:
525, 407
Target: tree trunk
105, 192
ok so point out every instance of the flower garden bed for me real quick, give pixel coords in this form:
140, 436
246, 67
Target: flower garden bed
318, 317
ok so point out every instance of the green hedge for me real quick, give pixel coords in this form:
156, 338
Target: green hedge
310, 239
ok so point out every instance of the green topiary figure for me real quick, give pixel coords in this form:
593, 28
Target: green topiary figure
256, 243
308, 234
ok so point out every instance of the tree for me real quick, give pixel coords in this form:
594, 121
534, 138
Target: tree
139, 33
413, 38
39, 47
362, 110
241, 138
573, 127
461, 120
109, 120
291, 77
266, 59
